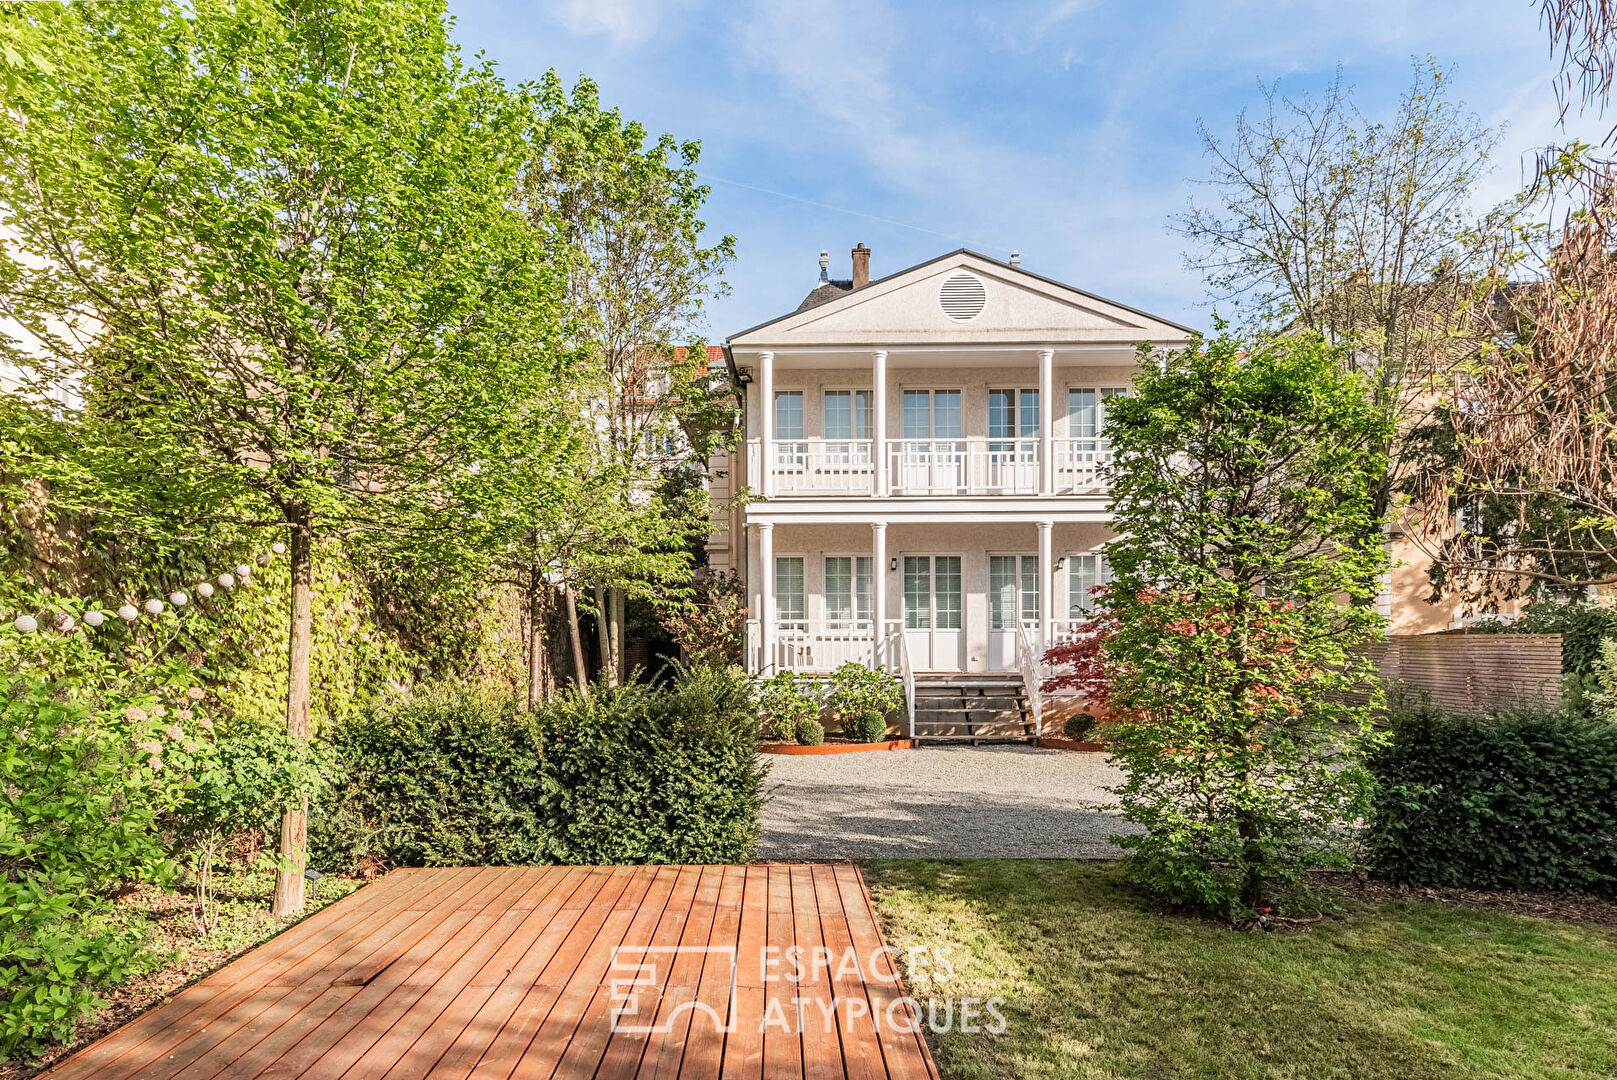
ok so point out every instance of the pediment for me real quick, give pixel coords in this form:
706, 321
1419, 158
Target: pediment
963, 298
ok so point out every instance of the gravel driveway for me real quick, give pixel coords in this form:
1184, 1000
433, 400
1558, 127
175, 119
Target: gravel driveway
958, 802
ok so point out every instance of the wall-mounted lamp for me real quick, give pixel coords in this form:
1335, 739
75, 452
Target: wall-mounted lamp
1061, 561
892, 564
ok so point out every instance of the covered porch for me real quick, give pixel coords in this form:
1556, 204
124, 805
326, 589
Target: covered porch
929, 597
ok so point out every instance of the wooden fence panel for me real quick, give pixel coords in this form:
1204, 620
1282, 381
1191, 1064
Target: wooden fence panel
1472, 672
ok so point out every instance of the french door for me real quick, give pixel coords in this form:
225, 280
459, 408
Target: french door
1013, 447
933, 612
1013, 598
932, 454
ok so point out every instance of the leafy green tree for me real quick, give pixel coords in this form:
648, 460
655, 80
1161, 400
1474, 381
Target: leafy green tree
276, 246
1243, 486
640, 273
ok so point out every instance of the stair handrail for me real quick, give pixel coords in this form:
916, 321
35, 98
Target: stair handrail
906, 674
1027, 662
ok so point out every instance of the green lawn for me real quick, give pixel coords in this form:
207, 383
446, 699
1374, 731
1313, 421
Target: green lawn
1099, 984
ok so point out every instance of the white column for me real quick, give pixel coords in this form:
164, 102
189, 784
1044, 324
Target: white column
878, 583
878, 417
766, 427
766, 587
1047, 581
1047, 463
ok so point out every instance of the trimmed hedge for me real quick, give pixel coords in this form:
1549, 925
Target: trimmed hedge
1513, 801
634, 774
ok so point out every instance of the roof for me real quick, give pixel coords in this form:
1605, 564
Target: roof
827, 292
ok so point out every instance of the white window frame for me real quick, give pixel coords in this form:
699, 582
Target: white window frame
1098, 554
782, 622
825, 588
1022, 597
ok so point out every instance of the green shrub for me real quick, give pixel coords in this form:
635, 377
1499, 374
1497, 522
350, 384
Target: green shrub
633, 774
87, 780
1520, 801
784, 702
1079, 727
810, 733
448, 777
656, 776
862, 697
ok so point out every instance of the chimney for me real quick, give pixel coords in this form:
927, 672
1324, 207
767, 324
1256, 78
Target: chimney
825, 266
861, 266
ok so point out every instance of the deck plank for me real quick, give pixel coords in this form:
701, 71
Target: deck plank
495, 973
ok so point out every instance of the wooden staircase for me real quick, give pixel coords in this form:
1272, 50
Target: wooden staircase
972, 709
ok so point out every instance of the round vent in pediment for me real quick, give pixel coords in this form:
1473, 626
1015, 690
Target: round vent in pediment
962, 296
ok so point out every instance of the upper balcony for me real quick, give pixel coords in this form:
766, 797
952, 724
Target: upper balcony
836, 468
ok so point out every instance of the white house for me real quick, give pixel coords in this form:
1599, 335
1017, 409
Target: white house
923, 453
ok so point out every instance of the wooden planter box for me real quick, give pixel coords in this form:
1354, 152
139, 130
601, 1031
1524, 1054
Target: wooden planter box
796, 750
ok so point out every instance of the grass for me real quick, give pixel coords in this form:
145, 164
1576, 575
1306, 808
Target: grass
177, 953
1099, 983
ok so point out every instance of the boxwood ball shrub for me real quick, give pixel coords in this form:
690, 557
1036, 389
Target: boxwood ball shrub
1079, 727
862, 697
632, 774
810, 733
1523, 800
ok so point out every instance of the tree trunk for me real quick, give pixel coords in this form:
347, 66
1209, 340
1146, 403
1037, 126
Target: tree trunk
536, 642
603, 631
619, 617
579, 677
295, 823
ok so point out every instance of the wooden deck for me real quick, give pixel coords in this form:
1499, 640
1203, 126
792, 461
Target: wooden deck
547, 972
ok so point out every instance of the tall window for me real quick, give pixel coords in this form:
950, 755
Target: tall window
790, 600
1013, 414
848, 591
1084, 572
1086, 411
847, 414
932, 592
932, 414
788, 414
1013, 590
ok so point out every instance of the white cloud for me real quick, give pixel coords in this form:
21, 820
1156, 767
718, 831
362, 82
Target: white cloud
621, 22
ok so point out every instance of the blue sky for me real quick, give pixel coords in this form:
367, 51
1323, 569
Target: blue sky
1065, 129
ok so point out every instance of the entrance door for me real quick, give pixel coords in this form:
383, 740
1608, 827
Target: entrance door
1013, 596
932, 612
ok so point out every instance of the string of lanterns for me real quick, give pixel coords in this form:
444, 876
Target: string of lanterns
94, 617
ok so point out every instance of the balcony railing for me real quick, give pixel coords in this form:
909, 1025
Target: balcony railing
929, 467
820, 647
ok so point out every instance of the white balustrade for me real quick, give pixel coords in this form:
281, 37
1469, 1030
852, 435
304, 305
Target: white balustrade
1078, 465
963, 466
815, 467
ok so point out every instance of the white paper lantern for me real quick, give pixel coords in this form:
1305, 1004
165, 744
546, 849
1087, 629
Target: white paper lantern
178, 598
263, 560
65, 623
278, 547
25, 624
93, 618
153, 606
242, 570
128, 613
227, 581
204, 590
